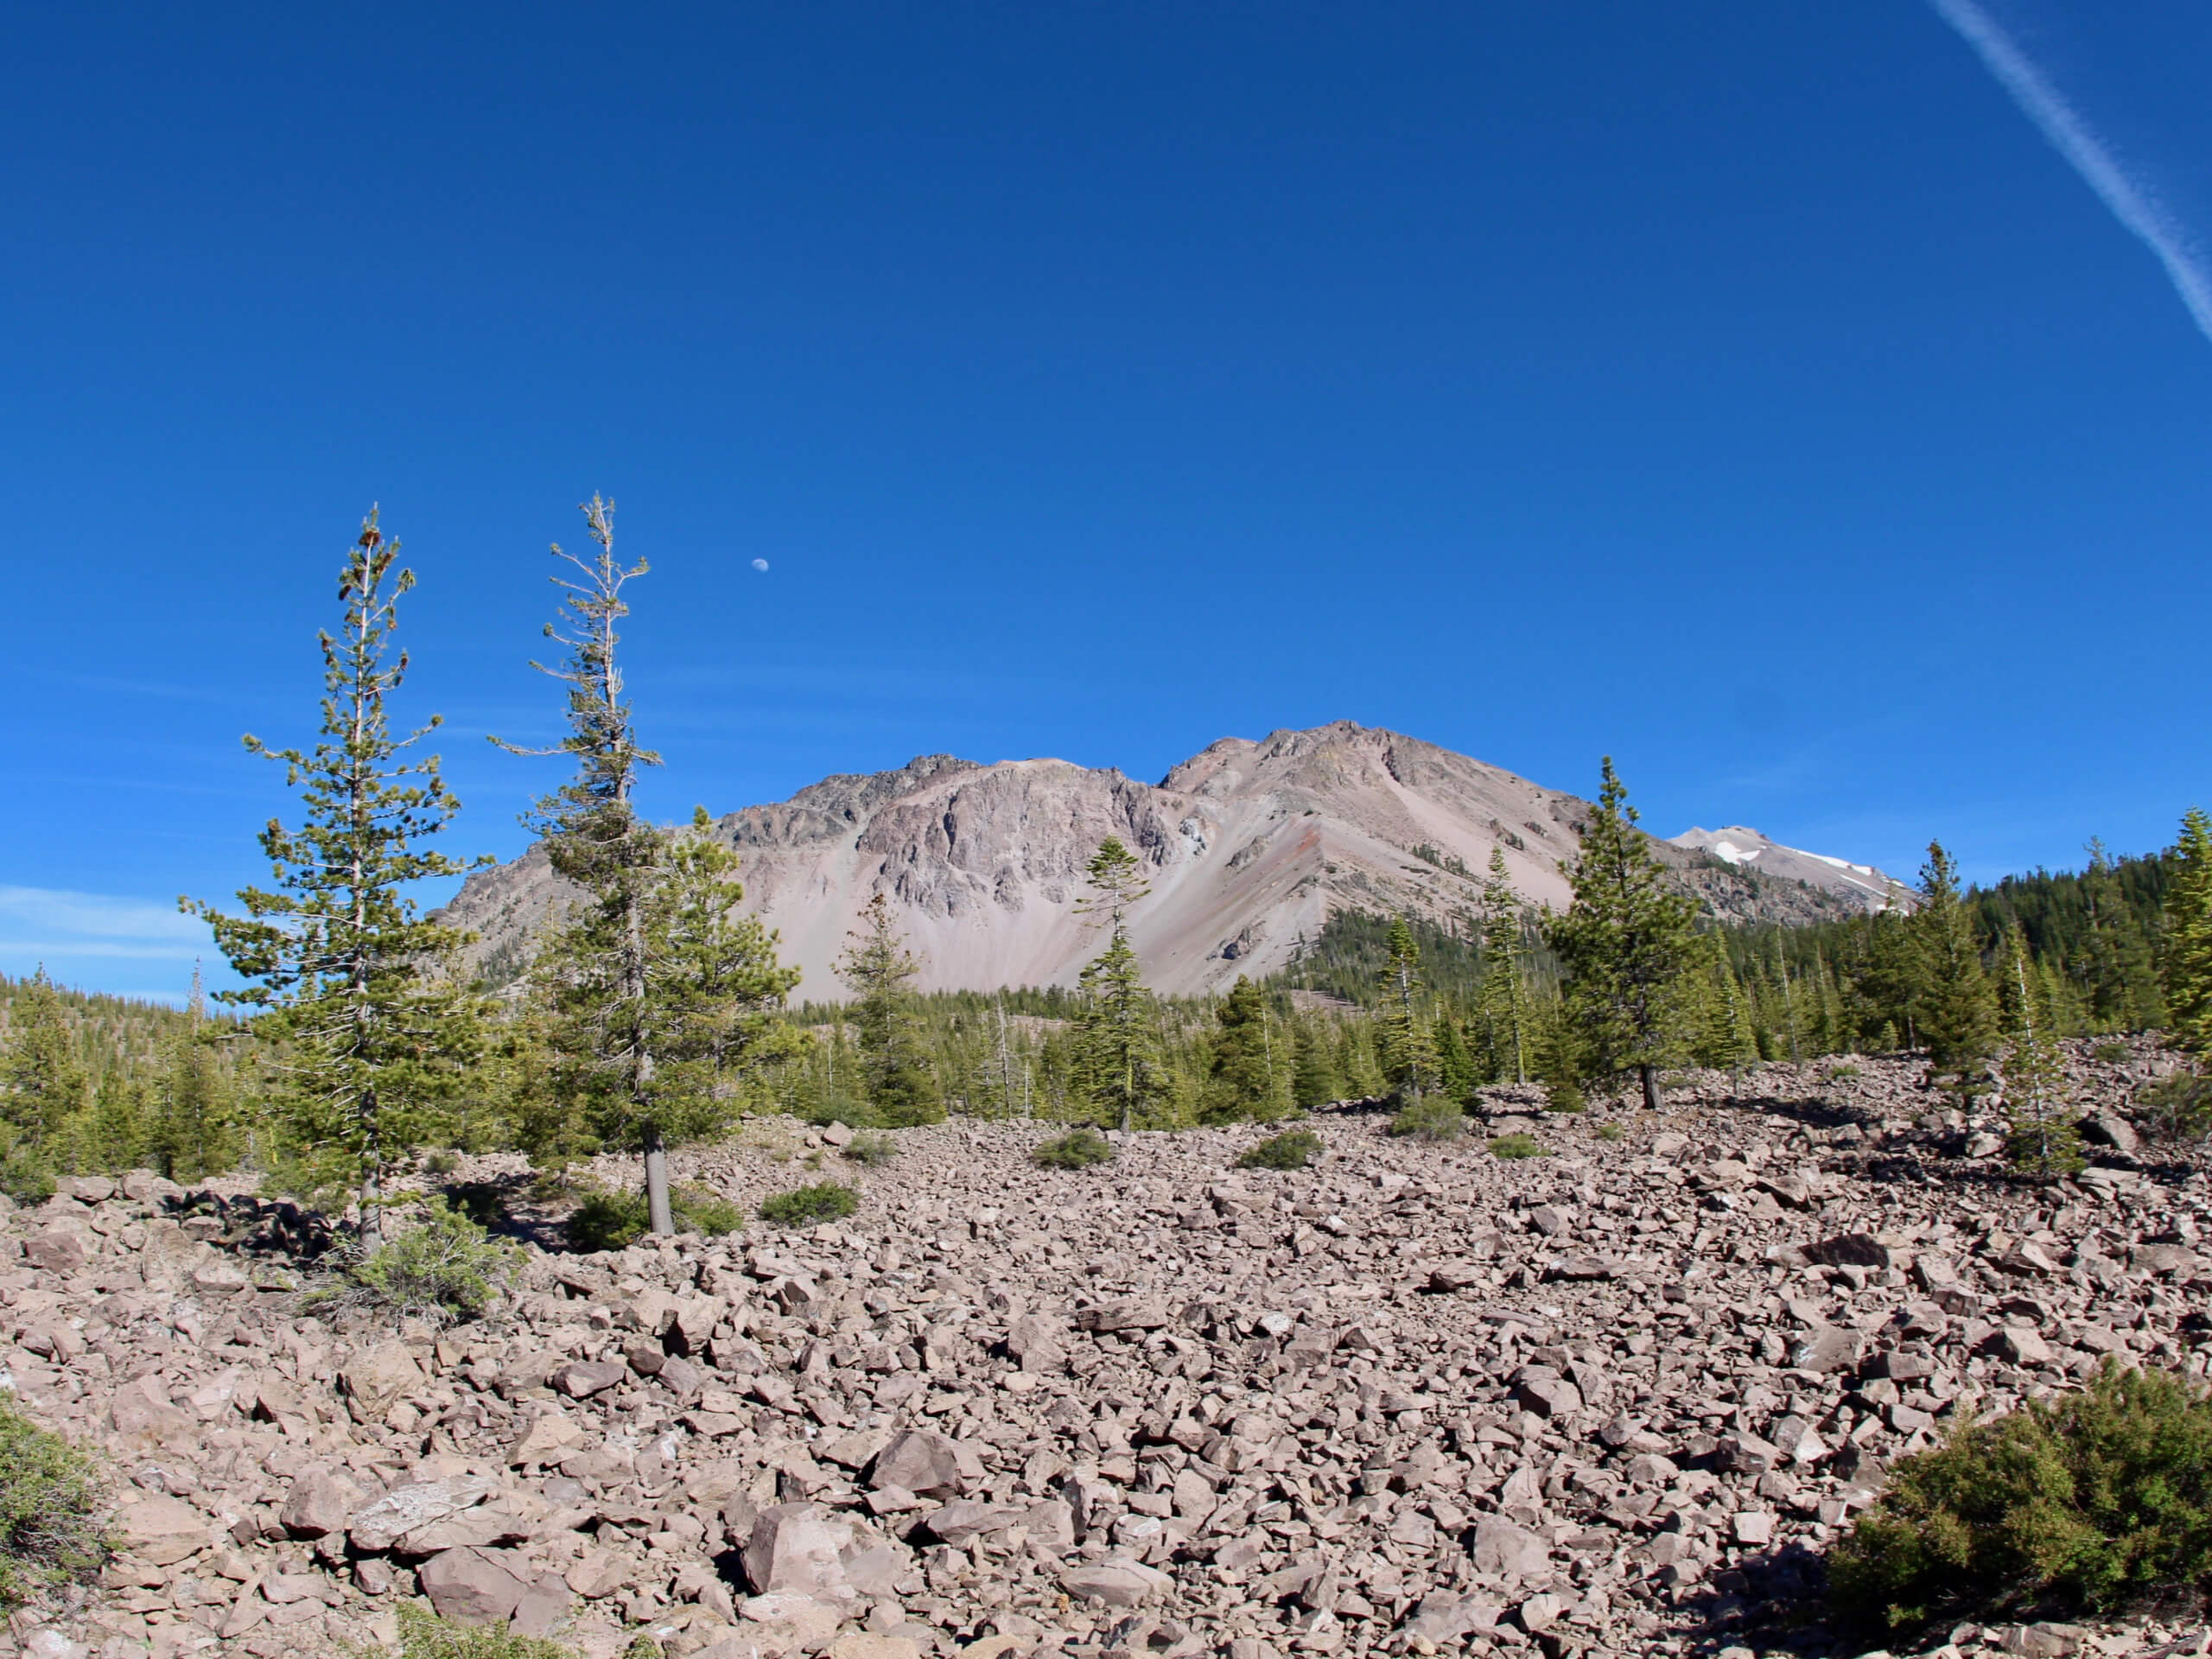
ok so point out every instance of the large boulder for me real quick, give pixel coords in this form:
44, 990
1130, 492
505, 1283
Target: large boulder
373, 1381
144, 1417
476, 1586
322, 1500
794, 1549
161, 1531
927, 1464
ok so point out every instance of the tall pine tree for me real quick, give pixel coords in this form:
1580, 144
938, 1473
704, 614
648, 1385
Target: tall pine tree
2044, 1141
1116, 1059
1501, 1000
1405, 1043
1623, 945
42, 1085
2188, 938
370, 1028
1954, 1004
1240, 1083
879, 969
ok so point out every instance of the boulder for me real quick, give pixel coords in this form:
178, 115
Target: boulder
475, 1587
373, 1381
795, 1548
322, 1500
161, 1531
54, 1252
926, 1464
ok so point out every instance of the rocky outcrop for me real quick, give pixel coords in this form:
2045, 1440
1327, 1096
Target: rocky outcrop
1250, 847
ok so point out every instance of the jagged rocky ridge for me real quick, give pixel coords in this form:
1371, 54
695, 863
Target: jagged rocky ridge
1615, 1401
1250, 848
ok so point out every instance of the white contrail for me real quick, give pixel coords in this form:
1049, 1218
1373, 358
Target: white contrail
2130, 204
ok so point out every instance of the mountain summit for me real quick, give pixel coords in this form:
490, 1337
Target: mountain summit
1249, 848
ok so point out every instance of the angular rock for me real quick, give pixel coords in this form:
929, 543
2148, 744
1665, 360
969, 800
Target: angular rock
794, 1549
1509, 1551
322, 1500
1116, 1583
161, 1531
380, 1525
374, 1381
475, 1587
926, 1464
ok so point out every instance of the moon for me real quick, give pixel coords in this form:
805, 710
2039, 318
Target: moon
760, 564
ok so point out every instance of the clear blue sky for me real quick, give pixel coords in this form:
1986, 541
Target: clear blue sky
1750, 391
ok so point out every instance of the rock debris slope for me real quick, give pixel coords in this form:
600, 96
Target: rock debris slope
1251, 846
1603, 1402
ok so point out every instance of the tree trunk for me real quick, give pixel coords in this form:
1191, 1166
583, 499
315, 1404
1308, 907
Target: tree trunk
372, 1177
660, 1217
1650, 1077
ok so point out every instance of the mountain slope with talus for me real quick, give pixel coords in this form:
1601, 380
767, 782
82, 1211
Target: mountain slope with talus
1249, 847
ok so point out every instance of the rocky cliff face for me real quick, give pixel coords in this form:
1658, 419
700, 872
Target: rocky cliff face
1250, 847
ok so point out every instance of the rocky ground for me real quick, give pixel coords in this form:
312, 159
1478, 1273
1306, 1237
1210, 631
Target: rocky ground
1612, 1400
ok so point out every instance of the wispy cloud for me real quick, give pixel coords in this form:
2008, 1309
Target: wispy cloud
2131, 202
51, 922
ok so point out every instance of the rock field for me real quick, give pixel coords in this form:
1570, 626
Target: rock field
1611, 1400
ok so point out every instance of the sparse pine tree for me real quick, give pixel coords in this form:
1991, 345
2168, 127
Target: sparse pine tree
1623, 946
2188, 938
1558, 1058
1721, 1035
1116, 1065
1240, 1081
2044, 1141
1502, 1000
1316, 1079
894, 1064
190, 1135
1456, 1071
1404, 1044
113, 1138
352, 984
1955, 1005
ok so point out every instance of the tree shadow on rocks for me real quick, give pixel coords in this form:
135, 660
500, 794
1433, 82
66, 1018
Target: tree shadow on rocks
1811, 1112
273, 1230
1775, 1602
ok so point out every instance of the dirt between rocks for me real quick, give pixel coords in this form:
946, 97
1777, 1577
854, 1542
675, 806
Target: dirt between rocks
1612, 1400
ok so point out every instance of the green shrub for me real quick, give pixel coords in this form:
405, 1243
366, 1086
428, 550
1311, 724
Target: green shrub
423, 1634
2090, 1501
843, 1108
2177, 1109
607, 1220
1292, 1149
484, 1202
49, 1491
1517, 1145
1609, 1132
2111, 1053
615, 1221
1842, 1073
446, 1271
1432, 1118
803, 1206
25, 1178
1077, 1149
442, 1163
871, 1147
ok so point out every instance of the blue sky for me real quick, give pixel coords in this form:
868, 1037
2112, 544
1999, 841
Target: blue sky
1752, 392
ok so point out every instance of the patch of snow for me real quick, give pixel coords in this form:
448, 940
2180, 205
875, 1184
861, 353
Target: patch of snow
1729, 853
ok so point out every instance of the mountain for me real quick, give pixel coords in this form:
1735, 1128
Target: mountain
1250, 846
1745, 849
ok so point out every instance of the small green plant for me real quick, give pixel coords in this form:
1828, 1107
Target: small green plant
2093, 1501
1430, 1118
2177, 1109
804, 1206
25, 1178
442, 1163
484, 1202
1292, 1149
873, 1147
615, 1221
446, 1271
1519, 1144
1609, 1132
423, 1634
1077, 1149
701, 1210
2111, 1053
842, 1107
1842, 1073
49, 1492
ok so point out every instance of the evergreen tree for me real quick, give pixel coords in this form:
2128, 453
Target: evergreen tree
1720, 1029
370, 1028
1954, 1004
114, 1133
2044, 1141
1623, 945
1240, 1083
2188, 938
1559, 1059
1115, 1064
190, 1136
1405, 1049
1456, 1071
1316, 1079
894, 1064
43, 1081
1500, 999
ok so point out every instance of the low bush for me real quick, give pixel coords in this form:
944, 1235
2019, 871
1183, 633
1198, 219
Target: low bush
1432, 1118
446, 1271
1077, 1149
1517, 1145
2111, 1053
423, 1634
1292, 1149
49, 1494
1843, 1073
804, 1206
2177, 1109
1609, 1132
873, 1147
615, 1221
2092, 1501
442, 1163
843, 1108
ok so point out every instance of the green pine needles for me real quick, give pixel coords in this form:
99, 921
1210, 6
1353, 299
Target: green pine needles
895, 1066
1118, 1065
50, 1496
369, 1027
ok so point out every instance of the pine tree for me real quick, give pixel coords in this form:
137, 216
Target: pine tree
42, 1083
1954, 1004
1115, 1065
1558, 1058
1240, 1083
2044, 1141
1404, 1046
369, 1026
1456, 1071
1502, 1002
190, 1134
1623, 946
2188, 938
894, 1064
113, 1137
1316, 1079
1720, 1029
